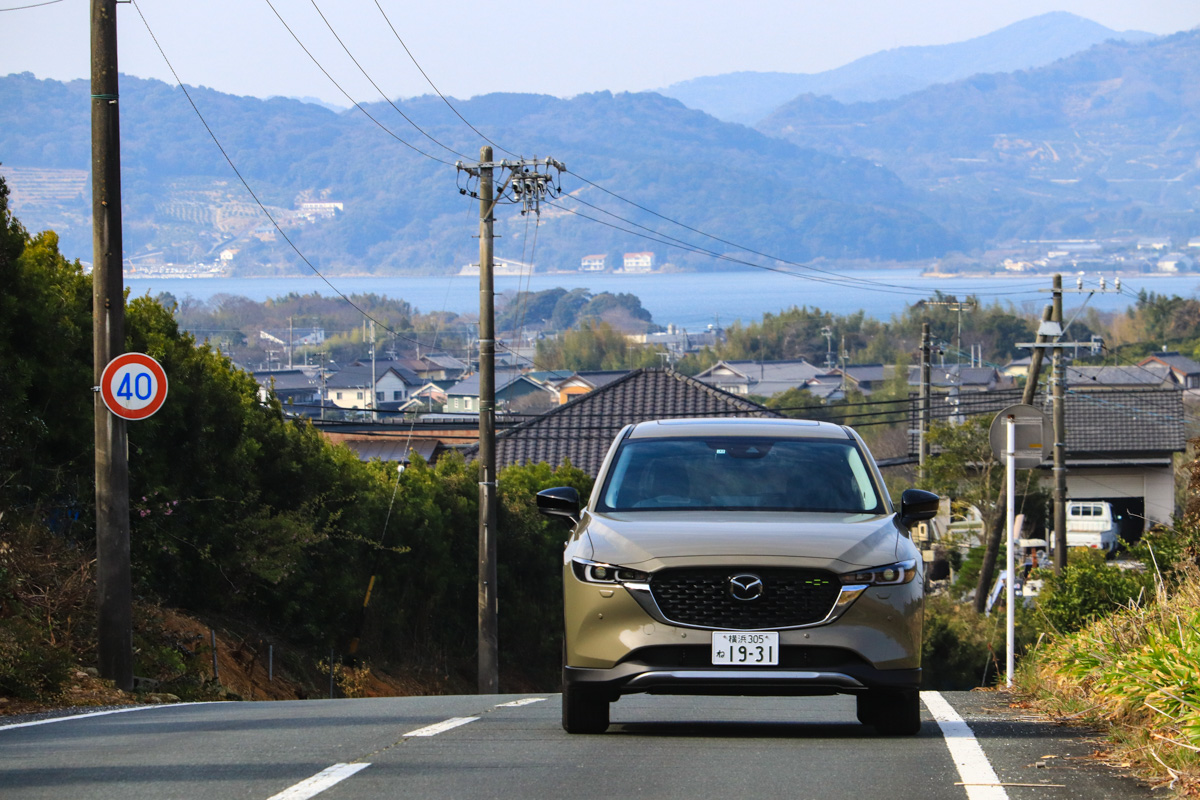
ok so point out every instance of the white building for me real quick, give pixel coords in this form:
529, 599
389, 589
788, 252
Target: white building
595, 263
638, 262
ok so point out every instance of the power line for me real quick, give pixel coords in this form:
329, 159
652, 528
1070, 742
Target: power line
332, 80
35, 5
382, 94
435, 88
245, 184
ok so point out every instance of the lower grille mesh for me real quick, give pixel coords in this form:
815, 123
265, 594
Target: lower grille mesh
701, 596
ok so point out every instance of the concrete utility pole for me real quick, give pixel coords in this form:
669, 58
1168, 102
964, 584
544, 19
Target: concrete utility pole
114, 603
489, 660
528, 186
1058, 381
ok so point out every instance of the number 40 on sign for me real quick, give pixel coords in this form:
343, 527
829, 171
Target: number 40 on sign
133, 386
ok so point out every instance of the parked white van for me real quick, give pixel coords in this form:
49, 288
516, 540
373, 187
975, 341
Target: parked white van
1090, 523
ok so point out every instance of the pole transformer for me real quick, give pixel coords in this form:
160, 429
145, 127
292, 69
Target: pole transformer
114, 594
527, 182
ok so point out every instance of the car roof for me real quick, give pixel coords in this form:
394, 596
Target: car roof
739, 426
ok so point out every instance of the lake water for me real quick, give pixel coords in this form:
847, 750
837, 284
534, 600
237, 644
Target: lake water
695, 300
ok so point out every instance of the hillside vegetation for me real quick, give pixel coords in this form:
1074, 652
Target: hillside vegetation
402, 210
1098, 144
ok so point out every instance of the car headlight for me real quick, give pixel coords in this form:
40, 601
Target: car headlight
597, 572
891, 575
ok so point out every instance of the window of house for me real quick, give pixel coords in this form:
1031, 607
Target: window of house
339, 395
396, 396
360, 396
379, 396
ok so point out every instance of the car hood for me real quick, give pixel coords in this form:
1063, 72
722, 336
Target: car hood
649, 540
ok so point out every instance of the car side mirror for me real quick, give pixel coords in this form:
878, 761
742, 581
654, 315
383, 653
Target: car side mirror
561, 501
917, 505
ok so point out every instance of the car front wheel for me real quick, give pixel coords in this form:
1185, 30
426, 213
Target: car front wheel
584, 710
892, 712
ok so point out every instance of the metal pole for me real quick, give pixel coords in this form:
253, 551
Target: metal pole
489, 680
1010, 482
114, 595
1060, 441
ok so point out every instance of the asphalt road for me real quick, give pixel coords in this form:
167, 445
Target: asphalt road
513, 747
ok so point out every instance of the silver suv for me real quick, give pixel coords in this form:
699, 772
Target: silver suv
741, 557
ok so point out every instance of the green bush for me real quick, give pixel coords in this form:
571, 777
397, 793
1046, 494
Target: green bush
31, 668
962, 649
1089, 588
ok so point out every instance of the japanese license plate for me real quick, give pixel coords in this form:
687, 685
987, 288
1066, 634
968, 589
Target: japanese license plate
759, 648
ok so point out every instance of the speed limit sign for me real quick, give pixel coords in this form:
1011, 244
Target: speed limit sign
133, 386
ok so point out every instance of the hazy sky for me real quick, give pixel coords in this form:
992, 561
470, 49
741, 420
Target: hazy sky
471, 47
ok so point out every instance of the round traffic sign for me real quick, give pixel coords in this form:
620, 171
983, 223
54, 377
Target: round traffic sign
133, 386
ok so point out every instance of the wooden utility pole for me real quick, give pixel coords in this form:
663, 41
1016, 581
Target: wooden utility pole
926, 407
489, 668
1058, 381
114, 605
527, 181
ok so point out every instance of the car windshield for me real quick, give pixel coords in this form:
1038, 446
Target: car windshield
739, 473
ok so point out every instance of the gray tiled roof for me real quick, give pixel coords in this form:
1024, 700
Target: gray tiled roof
583, 429
1152, 374
1175, 361
1100, 423
1133, 421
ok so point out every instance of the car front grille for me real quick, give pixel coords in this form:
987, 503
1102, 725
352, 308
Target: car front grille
701, 596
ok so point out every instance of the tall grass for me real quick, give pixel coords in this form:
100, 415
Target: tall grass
1136, 674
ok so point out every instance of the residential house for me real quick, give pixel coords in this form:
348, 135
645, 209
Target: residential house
577, 383
961, 378
511, 386
1175, 262
298, 388
582, 430
638, 262
354, 386
1185, 371
1154, 243
1155, 375
763, 378
594, 263
865, 378
1120, 445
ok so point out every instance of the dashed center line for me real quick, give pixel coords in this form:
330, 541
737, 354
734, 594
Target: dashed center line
974, 769
319, 782
524, 701
440, 727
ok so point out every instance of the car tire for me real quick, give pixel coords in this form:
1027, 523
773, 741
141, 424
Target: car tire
892, 712
584, 710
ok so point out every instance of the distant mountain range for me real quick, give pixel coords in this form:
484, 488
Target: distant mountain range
401, 211
749, 97
1100, 143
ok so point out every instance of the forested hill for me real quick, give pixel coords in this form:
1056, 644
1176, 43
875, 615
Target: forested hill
1101, 143
750, 96
402, 210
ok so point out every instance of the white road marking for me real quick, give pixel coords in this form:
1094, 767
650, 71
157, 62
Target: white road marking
524, 701
319, 782
441, 727
75, 716
974, 769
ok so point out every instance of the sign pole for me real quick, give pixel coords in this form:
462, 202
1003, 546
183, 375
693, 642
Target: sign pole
1010, 478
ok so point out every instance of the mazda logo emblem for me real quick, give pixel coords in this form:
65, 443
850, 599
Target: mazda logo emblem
745, 587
